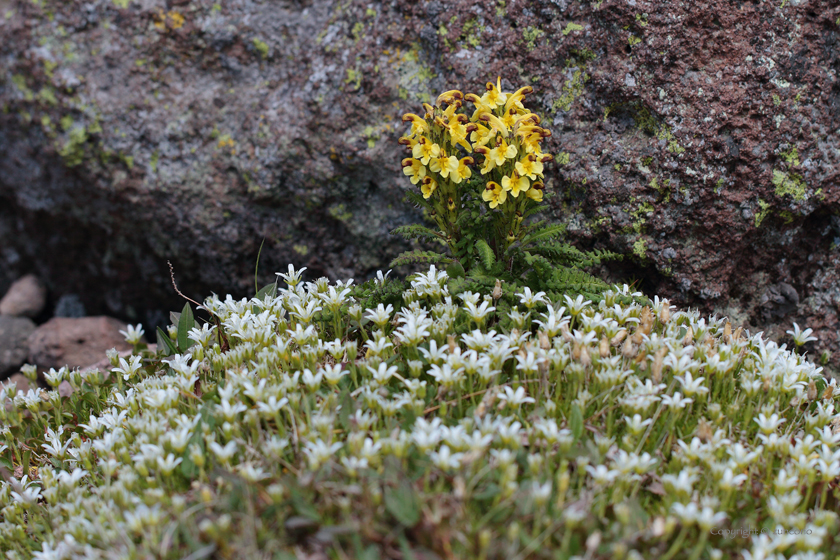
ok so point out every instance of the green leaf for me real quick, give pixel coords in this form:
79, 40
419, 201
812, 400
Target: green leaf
455, 270
426, 257
402, 503
485, 254
164, 343
576, 421
415, 231
185, 323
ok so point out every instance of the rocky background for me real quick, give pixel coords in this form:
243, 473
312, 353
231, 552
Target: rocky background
699, 138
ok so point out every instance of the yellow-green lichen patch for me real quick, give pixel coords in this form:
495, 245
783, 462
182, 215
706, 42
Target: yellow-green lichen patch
639, 248
72, 151
530, 35
789, 184
572, 27
761, 214
340, 212
261, 47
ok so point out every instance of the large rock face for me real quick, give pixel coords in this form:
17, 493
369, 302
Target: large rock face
701, 138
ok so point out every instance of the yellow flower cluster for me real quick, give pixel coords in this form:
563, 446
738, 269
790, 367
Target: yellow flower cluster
501, 131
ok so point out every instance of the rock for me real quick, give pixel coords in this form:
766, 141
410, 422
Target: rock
14, 345
711, 126
72, 342
69, 305
26, 298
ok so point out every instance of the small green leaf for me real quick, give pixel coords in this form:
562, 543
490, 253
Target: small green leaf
576, 421
185, 323
164, 343
401, 502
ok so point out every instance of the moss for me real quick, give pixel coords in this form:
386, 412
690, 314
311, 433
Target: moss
572, 27
530, 35
153, 161
563, 158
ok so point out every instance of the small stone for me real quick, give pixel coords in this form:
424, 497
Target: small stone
75, 342
14, 345
26, 298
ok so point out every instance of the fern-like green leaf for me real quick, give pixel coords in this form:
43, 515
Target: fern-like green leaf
485, 254
415, 231
426, 257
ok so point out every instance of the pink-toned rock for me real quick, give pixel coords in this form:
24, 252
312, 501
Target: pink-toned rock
26, 297
75, 342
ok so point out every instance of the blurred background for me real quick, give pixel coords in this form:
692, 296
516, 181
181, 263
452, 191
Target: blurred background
699, 139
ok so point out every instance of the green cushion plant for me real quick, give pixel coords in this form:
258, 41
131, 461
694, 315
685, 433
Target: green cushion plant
448, 415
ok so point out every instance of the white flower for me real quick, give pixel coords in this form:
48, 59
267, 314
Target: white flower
133, 334
223, 454
292, 279
636, 425
602, 475
319, 452
515, 399
676, 402
800, 337
681, 483
691, 385
768, 425
446, 460
730, 481
168, 465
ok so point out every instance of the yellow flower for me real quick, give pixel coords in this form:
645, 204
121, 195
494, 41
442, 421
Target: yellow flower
481, 135
496, 124
535, 193
516, 98
480, 106
415, 169
424, 151
418, 124
503, 151
530, 166
409, 142
458, 133
463, 171
509, 118
494, 96
494, 194
428, 187
515, 184
449, 96
444, 164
